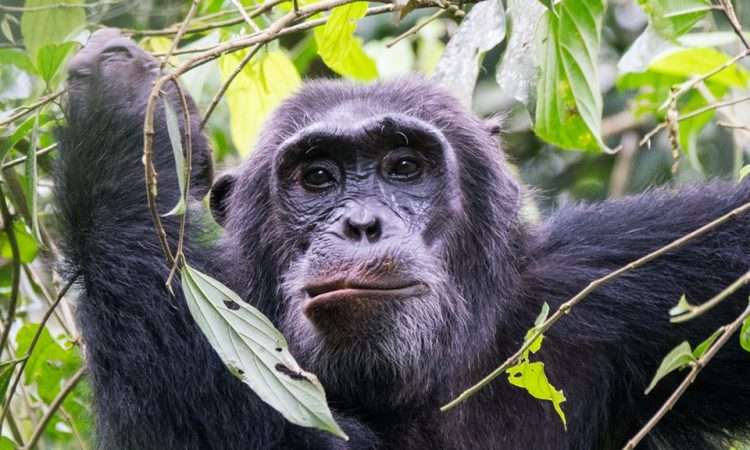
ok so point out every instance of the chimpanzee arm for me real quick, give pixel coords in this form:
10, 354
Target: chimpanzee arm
157, 383
606, 351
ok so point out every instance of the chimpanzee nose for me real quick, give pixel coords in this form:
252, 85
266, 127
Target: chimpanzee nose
363, 224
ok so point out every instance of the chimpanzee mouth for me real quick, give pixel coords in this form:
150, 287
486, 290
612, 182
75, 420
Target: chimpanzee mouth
334, 292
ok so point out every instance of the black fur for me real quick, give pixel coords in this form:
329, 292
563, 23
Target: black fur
158, 385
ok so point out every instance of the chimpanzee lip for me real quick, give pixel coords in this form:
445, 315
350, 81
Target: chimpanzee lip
328, 292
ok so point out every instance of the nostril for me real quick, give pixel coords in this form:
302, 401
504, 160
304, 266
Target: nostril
373, 231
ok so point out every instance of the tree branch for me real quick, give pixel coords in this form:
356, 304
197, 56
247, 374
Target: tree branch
566, 307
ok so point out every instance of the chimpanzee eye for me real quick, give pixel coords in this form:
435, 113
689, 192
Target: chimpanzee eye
317, 177
405, 169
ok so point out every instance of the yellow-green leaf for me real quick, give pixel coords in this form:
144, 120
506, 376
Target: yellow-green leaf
264, 82
672, 18
745, 335
51, 25
531, 376
339, 48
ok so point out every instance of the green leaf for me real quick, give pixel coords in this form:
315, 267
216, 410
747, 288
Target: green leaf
531, 376
50, 58
481, 30
683, 306
680, 357
17, 58
49, 364
569, 101
673, 18
703, 347
7, 444
50, 25
543, 314
27, 246
745, 335
175, 138
19, 133
31, 175
339, 48
672, 67
6, 371
744, 172
264, 82
256, 352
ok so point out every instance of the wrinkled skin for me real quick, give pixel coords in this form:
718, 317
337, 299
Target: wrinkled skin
379, 228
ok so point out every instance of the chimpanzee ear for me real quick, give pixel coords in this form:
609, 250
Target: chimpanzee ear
219, 197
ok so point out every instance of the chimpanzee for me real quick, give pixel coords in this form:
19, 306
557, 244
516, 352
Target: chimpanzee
378, 227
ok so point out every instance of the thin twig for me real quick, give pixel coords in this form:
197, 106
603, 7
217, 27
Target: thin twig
35, 279
566, 307
22, 159
225, 85
261, 9
690, 84
692, 114
16, 277
23, 111
715, 300
733, 126
415, 29
180, 32
56, 403
289, 30
150, 174
244, 15
726, 332
728, 10
32, 345
58, 6
179, 254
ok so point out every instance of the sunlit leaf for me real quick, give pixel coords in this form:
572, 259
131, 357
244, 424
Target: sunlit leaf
680, 357
50, 59
530, 375
175, 138
256, 353
27, 245
6, 371
703, 347
50, 25
745, 335
7, 444
569, 102
683, 306
339, 48
18, 58
50, 364
267, 80
481, 30
672, 18
744, 172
